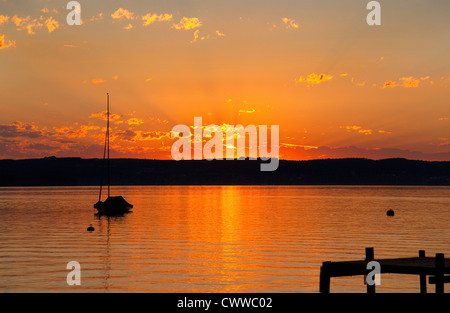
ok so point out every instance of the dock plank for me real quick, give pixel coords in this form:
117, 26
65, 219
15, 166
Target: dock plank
421, 266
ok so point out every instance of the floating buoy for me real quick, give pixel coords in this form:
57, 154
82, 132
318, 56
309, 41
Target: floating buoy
390, 212
90, 228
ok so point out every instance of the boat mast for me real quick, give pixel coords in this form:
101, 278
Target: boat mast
104, 159
107, 135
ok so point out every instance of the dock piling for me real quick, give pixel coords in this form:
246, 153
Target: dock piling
324, 278
370, 257
423, 277
440, 272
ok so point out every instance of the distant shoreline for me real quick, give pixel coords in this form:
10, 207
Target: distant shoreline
229, 185
53, 171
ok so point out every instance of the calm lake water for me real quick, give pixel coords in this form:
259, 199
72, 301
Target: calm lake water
215, 238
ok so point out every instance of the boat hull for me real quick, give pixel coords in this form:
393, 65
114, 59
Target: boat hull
113, 206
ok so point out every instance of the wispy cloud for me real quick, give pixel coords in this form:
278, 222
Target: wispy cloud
198, 37
406, 82
389, 84
289, 23
315, 78
3, 19
219, 34
70, 46
135, 121
51, 24
97, 81
4, 44
151, 135
294, 146
19, 21
26, 23
152, 18
97, 17
103, 115
81, 131
122, 14
247, 111
361, 130
188, 23
410, 82
358, 129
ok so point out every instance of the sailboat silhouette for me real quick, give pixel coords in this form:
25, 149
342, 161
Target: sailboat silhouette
112, 205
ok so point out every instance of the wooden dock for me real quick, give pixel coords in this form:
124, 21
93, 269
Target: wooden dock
422, 266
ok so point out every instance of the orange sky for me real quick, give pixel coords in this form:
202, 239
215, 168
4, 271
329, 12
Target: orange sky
336, 86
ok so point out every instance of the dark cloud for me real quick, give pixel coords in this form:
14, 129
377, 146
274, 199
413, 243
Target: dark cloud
153, 135
375, 154
40, 147
18, 129
128, 135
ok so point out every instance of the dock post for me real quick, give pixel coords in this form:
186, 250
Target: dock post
423, 278
324, 278
370, 257
440, 272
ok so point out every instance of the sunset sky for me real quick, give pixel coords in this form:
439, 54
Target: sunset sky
336, 86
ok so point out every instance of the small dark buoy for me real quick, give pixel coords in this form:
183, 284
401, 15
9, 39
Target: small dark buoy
390, 212
90, 228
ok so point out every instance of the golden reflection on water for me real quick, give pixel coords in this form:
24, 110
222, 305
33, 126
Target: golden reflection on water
214, 238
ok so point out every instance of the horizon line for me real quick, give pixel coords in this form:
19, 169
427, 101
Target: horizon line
235, 159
